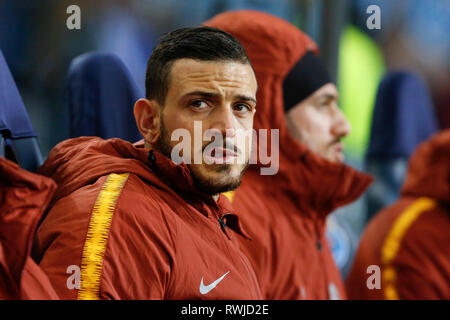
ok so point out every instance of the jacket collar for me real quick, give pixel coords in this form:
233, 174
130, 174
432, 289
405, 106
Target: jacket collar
321, 185
317, 186
178, 178
429, 170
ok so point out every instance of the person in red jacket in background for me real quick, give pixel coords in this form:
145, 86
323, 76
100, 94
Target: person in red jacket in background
133, 224
285, 213
404, 252
24, 196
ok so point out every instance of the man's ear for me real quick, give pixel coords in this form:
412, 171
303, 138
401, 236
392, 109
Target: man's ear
147, 115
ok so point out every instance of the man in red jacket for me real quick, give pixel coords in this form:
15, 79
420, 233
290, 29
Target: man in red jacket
404, 251
286, 212
24, 196
127, 221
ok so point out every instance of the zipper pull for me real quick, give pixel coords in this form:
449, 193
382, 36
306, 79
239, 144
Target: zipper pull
222, 223
319, 245
223, 226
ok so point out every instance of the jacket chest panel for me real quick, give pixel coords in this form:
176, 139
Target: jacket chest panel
209, 265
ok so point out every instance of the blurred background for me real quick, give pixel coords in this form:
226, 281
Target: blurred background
413, 39
38, 46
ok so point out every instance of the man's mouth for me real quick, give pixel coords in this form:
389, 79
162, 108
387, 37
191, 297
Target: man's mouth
220, 155
338, 147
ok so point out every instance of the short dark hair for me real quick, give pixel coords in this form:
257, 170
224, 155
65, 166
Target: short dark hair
198, 43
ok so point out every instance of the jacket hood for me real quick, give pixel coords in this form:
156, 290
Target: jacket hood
429, 170
77, 162
274, 46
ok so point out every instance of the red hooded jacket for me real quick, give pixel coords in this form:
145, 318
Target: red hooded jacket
410, 240
24, 196
286, 213
128, 223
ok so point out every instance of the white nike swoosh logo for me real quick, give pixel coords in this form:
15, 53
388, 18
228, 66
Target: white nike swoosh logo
205, 289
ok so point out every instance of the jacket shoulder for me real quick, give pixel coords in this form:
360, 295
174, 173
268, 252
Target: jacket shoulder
121, 222
427, 241
412, 230
143, 204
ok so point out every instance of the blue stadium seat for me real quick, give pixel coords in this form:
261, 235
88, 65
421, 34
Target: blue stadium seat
99, 97
18, 140
403, 117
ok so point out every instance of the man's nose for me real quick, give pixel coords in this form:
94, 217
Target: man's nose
341, 127
224, 120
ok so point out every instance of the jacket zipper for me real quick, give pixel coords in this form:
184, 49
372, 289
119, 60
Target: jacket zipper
319, 245
223, 226
250, 272
222, 223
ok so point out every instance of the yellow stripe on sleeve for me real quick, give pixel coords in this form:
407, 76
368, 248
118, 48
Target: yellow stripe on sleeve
393, 240
97, 236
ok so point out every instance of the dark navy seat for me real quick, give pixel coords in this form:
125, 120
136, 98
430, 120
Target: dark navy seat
99, 96
18, 140
403, 117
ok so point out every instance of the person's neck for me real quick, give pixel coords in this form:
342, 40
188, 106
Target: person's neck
148, 145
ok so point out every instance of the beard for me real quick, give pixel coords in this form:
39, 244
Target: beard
220, 178
214, 185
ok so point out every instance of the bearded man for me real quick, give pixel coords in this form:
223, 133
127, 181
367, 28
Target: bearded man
127, 222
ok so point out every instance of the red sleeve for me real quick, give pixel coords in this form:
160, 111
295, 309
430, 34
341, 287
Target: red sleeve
423, 262
129, 258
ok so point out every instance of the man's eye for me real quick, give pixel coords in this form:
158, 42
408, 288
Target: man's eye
241, 108
199, 104
324, 104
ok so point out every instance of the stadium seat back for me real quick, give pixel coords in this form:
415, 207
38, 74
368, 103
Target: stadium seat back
18, 140
99, 97
403, 117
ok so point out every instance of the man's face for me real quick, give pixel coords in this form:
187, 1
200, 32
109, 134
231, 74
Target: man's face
319, 124
220, 96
